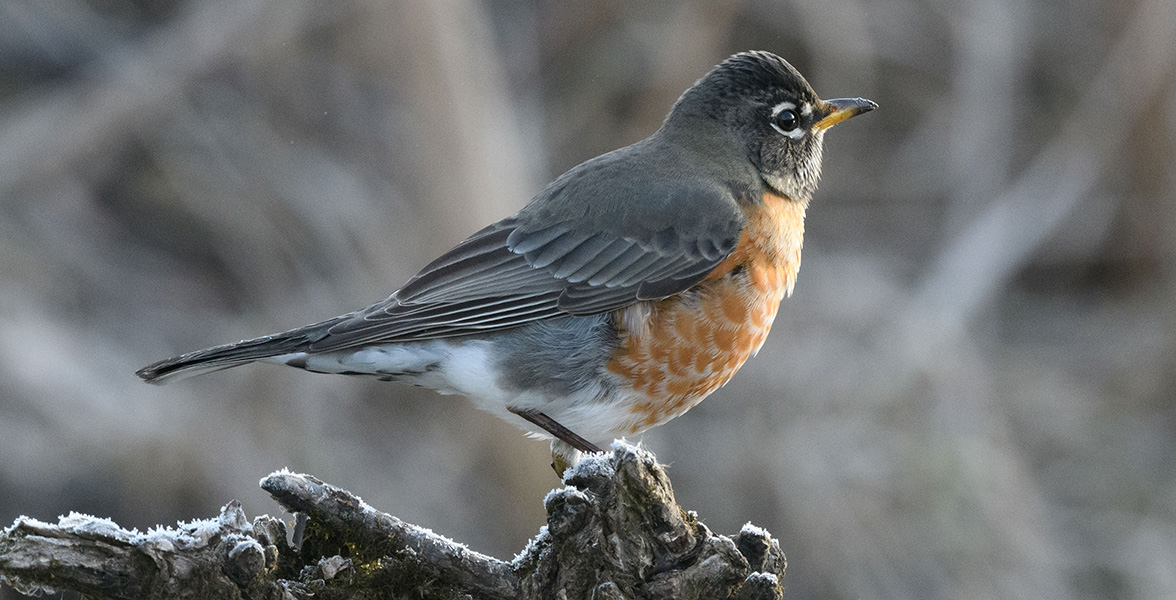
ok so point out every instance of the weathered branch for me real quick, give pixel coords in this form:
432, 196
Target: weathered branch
384, 549
224, 557
614, 531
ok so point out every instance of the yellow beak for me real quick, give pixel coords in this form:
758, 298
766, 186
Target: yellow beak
842, 109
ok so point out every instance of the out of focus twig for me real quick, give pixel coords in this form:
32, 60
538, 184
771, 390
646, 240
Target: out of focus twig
129, 85
976, 263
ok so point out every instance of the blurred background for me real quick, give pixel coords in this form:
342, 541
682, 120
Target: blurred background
970, 394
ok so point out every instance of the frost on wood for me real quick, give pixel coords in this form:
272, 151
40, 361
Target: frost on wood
614, 531
226, 557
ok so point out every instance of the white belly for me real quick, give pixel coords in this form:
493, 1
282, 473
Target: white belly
468, 368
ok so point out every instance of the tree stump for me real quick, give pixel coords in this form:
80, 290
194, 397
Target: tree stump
613, 531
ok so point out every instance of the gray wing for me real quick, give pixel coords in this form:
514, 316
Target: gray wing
548, 262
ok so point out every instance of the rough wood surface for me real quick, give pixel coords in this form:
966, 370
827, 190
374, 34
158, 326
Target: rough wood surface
226, 557
613, 531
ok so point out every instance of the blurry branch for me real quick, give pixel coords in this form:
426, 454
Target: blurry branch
979, 261
839, 39
133, 83
468, 135
992, 38
688, 43
613, 532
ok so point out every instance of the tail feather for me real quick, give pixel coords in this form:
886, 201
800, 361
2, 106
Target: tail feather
233, 355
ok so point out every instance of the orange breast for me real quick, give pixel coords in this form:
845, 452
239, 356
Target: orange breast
676, 351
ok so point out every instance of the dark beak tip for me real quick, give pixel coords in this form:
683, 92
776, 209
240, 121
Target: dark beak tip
841, 109
860, 105
857, 105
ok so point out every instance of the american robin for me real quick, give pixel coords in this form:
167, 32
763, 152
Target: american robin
624, 293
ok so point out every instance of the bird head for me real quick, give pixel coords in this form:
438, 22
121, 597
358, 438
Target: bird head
765, 106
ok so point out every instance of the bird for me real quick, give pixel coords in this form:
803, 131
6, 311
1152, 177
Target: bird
624, 293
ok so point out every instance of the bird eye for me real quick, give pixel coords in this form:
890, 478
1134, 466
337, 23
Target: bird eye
786, 121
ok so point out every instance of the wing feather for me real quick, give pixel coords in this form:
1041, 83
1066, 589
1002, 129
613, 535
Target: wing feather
537, 265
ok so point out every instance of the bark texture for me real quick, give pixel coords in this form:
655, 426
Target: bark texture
613, 531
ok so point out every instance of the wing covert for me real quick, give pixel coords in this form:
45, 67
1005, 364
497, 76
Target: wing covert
531, 267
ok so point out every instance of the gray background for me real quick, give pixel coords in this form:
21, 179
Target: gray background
968, 396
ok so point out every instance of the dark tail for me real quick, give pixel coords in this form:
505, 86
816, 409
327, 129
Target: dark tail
232, 355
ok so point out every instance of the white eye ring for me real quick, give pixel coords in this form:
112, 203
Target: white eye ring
791, 129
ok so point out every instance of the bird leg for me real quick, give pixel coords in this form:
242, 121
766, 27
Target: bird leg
568, 439
553, 427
